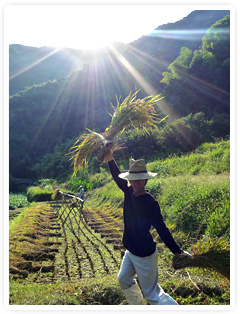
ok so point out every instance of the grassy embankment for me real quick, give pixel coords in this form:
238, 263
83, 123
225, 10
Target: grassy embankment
193, 192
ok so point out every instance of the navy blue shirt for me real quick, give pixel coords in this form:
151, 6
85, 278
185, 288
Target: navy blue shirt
140, 213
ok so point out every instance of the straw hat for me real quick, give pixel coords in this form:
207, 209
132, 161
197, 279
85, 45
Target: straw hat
137, 171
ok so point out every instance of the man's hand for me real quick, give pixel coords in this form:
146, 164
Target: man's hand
109, 157
183, 259
184, 253
108, 150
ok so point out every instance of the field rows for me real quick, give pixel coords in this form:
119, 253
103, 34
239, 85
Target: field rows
63, 243
70, 248
86, 253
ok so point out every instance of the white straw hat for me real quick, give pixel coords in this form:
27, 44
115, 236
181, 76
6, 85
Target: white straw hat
137, 171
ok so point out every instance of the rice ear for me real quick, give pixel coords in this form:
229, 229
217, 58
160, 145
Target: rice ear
89, 144
82, 152
138, 113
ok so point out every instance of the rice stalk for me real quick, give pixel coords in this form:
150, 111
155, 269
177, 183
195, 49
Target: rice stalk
137, 113
84, 147
57, 195
216, 257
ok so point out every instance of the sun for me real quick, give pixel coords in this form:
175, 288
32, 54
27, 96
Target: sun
91, 38
95, 44
89, 27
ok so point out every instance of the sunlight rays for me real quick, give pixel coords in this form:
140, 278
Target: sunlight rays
135, 74
195, 85
144, 84
198, 84
144, 57
193, 34
93, 80
209, 89
162, 105
33, 64
106, 93
47, 120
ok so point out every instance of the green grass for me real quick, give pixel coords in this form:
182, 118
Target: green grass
17, 201
209, 158
193, 202
14, 222
107, 194
100, 179
193, 191
196, 205
194, 287
38, 194
100, 291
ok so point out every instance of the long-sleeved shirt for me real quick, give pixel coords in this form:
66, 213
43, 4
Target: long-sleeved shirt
140, 213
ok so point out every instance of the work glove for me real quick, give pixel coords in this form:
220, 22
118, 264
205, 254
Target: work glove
105, 150
184, 253
108, 149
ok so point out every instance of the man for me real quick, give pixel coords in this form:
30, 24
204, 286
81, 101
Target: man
81, 192
141, 211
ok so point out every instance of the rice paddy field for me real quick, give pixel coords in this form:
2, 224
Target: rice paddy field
63, 253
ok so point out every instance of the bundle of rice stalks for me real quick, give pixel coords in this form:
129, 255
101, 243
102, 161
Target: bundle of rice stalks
138, 113
57, 195
216, 257
84, 147
133, 112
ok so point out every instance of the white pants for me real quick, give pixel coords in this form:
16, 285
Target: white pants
146, 269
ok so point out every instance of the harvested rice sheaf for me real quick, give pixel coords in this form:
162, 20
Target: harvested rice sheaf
218, 260
137, 113
89, 143
134, 112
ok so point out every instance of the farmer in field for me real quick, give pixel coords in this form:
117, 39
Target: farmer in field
81, 192
141, 211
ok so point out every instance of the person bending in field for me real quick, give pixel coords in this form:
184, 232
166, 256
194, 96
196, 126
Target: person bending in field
141, 211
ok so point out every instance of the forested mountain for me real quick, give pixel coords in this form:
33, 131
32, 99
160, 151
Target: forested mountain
30, 65
151, 55
200, 79
192, 74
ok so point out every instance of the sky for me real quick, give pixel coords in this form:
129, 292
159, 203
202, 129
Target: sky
85, 26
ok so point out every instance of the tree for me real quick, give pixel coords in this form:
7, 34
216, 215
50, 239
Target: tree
200, 80
178, 67
217, 39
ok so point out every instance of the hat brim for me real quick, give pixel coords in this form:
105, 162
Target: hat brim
137, 176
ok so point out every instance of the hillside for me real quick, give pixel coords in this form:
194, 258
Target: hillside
61, 253
30, 66
50, 114
48, 63
153, 54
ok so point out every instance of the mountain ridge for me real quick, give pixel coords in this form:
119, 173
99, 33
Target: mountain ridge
49, 63
50, 113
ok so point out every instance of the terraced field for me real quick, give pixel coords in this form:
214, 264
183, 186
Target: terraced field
78, 251
63, 253
64, 240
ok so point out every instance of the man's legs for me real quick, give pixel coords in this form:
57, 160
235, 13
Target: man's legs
147, 272
128, 283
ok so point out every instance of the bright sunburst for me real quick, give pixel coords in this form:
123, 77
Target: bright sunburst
89, 27
90, 38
